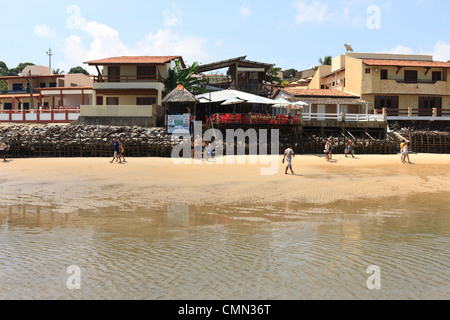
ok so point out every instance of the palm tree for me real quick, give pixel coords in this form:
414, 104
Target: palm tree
185, 77
57, 71
326, 61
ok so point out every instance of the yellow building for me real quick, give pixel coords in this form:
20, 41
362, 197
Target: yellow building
128, 90
36, 90
405, 86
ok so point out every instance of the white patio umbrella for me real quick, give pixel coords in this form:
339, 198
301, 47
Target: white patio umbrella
232, 101
281, 103
299, 105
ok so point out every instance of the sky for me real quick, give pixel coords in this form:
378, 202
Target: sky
287, 33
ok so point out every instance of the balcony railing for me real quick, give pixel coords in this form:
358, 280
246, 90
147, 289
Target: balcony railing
65, 115
24, 91
412, 113
114, 79
234, 119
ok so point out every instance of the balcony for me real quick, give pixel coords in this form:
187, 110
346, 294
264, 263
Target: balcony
12, 92
420, 87
428, 114
128, 82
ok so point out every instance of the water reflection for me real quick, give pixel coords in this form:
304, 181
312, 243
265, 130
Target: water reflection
290, 251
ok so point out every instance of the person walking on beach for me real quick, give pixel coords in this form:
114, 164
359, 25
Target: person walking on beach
402, 145
288, 154
327, 150
349, 148
3, 150
116, 151
330, 149
121, 151
406, 153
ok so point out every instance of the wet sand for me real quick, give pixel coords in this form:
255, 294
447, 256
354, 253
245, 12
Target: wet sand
69, 184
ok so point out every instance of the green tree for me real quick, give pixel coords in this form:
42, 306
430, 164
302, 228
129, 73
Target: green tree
78, 70
3, 69
290, 73
326, 61
185, 77
57, 71
273, 75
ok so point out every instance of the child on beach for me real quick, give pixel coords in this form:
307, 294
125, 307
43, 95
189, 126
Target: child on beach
121, 151
349, 148
406, 153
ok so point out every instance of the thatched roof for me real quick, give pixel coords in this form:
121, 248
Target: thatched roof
181, 95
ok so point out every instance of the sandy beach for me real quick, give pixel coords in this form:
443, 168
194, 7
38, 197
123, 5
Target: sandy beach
69, 184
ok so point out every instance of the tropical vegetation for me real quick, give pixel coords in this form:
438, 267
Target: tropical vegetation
184, 77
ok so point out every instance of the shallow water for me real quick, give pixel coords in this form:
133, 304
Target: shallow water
292, 251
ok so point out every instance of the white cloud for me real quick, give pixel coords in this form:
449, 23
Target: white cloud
44, 31
314, 12
105, 41
399, 50
172, 17
244, 11
441, 51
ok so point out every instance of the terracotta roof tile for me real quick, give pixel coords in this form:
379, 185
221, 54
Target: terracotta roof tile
135, 60
407, 63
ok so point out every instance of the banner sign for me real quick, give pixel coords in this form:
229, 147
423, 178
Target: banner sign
179, 123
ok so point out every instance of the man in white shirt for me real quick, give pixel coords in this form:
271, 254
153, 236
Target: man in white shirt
288, 154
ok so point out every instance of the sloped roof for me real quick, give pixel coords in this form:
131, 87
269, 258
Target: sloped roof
221, 96
297, 92
230, 62
136, 60
406, 63
180, 94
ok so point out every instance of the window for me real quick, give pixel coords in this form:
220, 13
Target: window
114, 74
146, 72
388, 102
384, 75
427, 104
17, 87
147, 101
322, 87
42, 85
52, 85
112, 101
410, 76
437, 76
367, 70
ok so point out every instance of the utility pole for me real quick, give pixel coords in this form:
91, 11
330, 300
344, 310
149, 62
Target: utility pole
31, 93
49, 53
